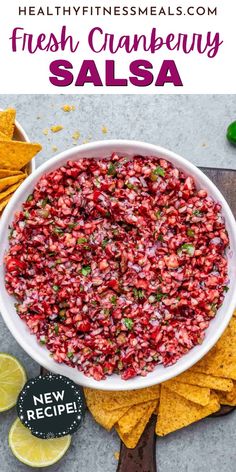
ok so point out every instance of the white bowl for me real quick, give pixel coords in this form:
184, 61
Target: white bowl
19, 329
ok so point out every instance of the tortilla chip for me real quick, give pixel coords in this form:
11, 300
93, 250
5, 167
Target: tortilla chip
107, 419
3, 137
7, 181
7, 122
16, 154
113, 400
205, 380
4, 202
228, 398
133, 416
9, 173
131, 439
176, 412
200, 395
221, 360
10, 189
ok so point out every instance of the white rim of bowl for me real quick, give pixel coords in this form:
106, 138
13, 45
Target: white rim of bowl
148, 149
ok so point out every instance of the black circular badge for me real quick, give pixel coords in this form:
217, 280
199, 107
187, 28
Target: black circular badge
51, 406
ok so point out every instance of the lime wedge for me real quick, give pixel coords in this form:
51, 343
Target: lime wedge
34, 451
12, 380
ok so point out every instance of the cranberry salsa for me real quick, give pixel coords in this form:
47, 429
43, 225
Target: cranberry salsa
117, 265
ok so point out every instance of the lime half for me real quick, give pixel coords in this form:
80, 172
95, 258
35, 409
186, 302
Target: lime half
12, 380
33, 451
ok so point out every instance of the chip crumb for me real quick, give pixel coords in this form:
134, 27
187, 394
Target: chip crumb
104, 130
76, 135
117, 455
67, 108
54, 148
56, 128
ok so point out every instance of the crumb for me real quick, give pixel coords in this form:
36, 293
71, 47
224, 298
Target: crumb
104, 130
45, 131
56, 128
68, 108
38, 117
76, 135
204, 145
54, 148
117, 455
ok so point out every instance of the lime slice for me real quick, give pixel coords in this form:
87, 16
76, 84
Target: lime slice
34, 451
12, 380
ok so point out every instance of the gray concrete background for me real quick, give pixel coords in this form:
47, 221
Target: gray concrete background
192, 125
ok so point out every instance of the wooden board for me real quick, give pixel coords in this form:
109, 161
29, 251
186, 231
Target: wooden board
143, 457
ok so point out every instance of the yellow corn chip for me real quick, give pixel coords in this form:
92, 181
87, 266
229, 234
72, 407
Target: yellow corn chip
205, 380
131, 439
132, 417
3, 137
221, 360
9, 173
4, 202
7, 181
200, 395
16, 154
228, 398
7, 122
9, 190
176, 412
113, 400
107, 419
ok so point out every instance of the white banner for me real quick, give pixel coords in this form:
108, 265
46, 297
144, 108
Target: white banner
117, 46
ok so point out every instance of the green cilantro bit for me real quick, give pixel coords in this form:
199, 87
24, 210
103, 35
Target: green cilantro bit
30, 197
58, 261
55, 288
82, 240
197, 213
159, 171
129, 185
138, 293
44, 202
160, 295
56, 328
72, 225
190, 233
43, 340
58, 230
112, 169
104, 243
10, 233
214, 307
70, 355
158, 214
128, 323
188, 248
160, 237
85, 270
94, 302
106, 311
97, 183
26, 214
62, 313
226, 288
113, 299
